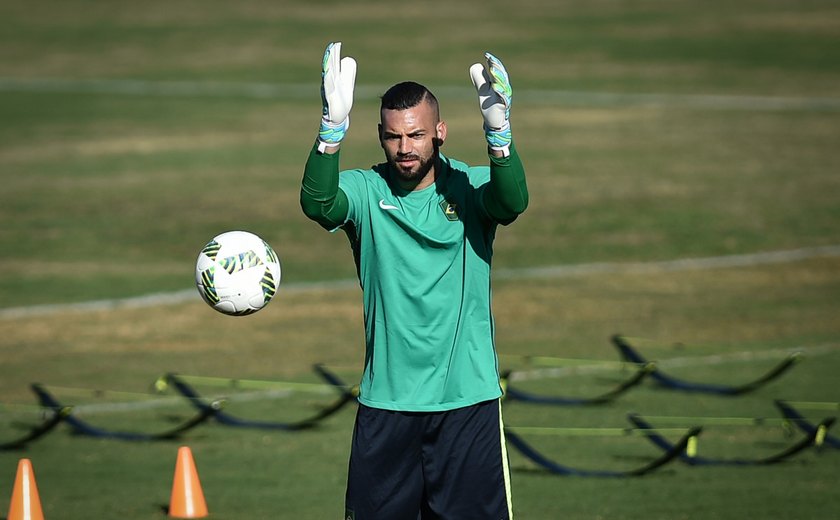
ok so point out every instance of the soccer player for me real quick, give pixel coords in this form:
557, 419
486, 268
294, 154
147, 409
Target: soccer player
428, 441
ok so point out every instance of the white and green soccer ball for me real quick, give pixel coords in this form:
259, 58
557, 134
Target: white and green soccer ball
237, 273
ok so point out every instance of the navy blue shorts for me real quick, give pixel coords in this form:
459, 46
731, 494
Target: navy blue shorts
429, 465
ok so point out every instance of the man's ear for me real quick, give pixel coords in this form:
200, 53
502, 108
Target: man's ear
379, 134
440, 133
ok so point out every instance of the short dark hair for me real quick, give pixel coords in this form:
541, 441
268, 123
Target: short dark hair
407, 94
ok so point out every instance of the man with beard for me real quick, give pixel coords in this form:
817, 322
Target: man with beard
428, 441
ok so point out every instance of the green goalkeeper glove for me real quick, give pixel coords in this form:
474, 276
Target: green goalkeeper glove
494, 98
338, 78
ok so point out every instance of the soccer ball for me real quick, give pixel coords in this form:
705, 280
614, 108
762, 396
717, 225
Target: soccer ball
237, 273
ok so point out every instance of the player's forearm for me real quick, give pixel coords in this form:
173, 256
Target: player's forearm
507, 193
320, 197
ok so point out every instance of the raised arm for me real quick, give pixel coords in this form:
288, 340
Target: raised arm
507, 193
320, 198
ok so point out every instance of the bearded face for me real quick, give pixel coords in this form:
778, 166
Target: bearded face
411, 139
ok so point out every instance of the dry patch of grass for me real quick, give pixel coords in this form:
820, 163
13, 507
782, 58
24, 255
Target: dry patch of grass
129, 347
744, 308
759, 307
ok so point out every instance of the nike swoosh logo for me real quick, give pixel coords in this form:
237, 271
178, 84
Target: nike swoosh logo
385, 206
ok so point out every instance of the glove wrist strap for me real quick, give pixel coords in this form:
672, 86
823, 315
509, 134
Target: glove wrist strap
330, 134
499, 139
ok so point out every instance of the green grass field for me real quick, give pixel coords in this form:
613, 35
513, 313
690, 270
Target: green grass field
651, 132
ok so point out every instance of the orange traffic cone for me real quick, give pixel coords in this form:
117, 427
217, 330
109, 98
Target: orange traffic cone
187, 499
26, 503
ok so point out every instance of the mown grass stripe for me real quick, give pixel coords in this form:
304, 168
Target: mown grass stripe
547, 272
372, 92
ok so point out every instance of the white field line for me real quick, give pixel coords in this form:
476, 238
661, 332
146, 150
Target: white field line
156, 299
684, 264
548, 272
372, 92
